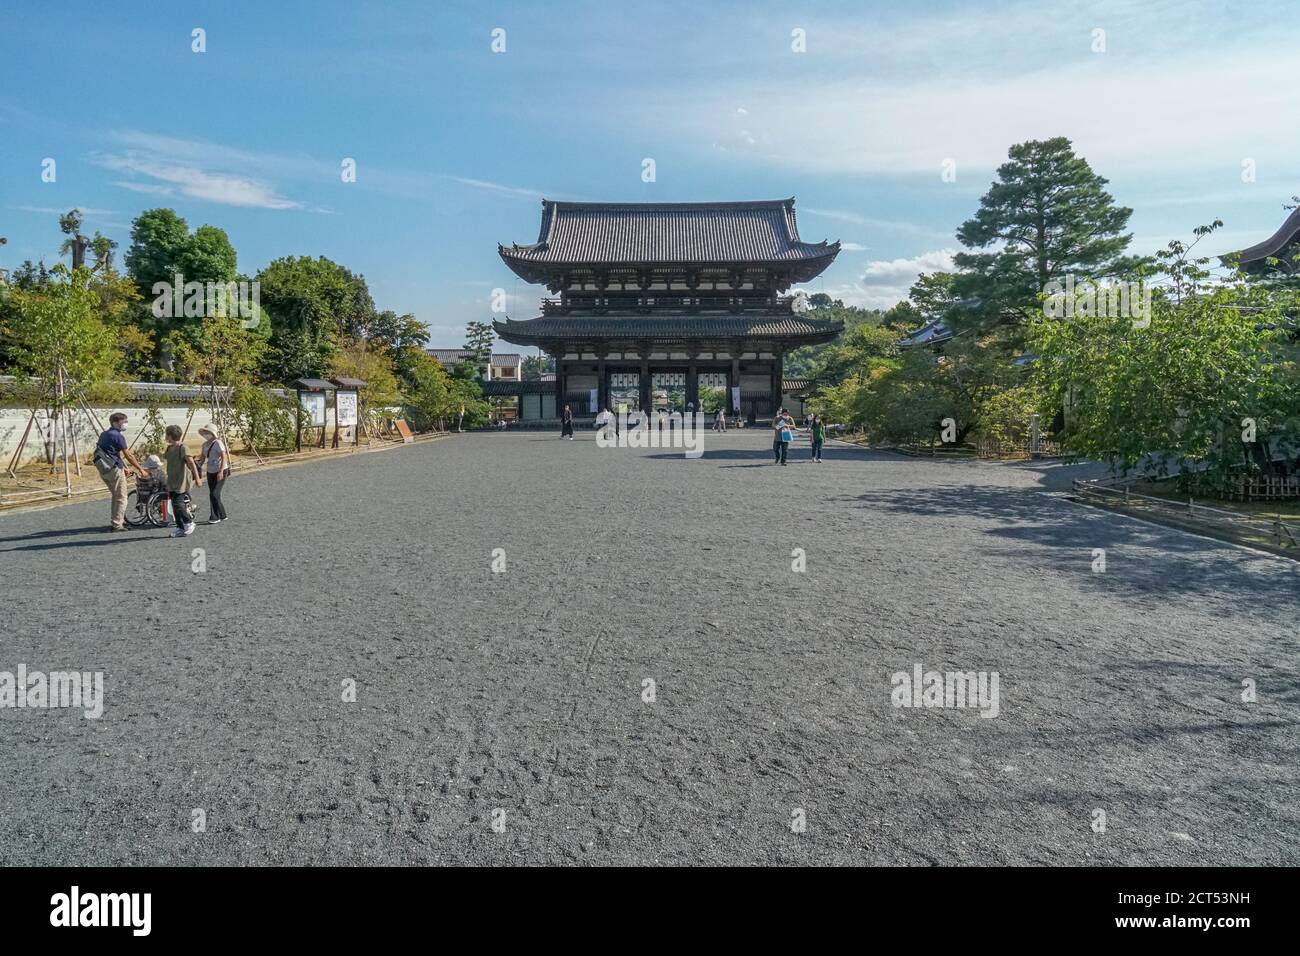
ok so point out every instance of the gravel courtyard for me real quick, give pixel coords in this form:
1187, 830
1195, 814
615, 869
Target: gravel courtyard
480, 692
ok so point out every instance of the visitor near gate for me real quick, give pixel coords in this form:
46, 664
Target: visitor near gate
817, 429
782, 435
566, 423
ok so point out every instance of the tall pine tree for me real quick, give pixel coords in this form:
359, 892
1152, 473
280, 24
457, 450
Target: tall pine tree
1047, 216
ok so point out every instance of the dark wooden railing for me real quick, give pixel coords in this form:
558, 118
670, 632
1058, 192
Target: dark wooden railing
665, 302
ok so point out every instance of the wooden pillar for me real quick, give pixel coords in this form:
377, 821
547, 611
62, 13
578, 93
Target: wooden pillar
776, 383
561, 388
733, 381
602, 384
645, 381
693, 385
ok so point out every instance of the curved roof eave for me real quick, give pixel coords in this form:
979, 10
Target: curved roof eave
1271, 246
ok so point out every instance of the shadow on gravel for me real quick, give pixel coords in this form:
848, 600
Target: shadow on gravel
1279, 684
53, 533
106, 539
1044, 524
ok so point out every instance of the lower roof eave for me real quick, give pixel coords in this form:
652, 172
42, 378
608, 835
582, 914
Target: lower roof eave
588, 338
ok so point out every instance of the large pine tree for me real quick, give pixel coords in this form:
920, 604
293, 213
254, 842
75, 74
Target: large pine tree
1047, 216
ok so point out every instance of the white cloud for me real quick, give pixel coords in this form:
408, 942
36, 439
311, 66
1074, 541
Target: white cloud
164, 176
892, 270
885, 282
1178, 89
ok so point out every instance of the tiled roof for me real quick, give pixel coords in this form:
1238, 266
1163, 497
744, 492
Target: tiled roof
932, 333
499, 359
662, 233
508, 387
666, 327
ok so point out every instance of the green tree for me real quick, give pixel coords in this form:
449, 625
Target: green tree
1177, 392
162, 249
816, 361
429, 401
58, 336
1047, 216
534, 366
222, 355
479, 339
312, 304
159, 239
373, 364
60, 345
208, 256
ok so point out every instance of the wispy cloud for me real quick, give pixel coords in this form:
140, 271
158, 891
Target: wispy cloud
174, 177
54, 211
894, 225
499, 188
900, 98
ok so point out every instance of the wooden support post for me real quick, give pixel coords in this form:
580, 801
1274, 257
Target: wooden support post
72, 435
22, 443
67, 477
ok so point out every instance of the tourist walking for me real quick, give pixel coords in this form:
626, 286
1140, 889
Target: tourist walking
112, 455
817, 430
721, 424
180, 470
566, 423
782, 435
216, 458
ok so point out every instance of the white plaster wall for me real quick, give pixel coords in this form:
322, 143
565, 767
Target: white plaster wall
14, 420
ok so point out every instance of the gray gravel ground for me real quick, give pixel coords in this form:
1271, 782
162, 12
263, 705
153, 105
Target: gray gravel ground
522, 691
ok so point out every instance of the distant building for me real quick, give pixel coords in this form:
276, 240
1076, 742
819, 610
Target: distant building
504, 367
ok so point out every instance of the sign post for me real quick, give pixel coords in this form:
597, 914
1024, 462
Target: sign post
347, 407
311, 403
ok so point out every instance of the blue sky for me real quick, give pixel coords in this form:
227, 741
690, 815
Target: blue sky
455, 145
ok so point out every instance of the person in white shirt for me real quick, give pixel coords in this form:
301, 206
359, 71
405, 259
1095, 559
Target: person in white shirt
216, 458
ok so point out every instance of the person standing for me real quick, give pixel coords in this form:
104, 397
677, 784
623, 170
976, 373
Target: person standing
566, 423
782, 433
721, 423
180, 469
216, 458
111, 458
817, 427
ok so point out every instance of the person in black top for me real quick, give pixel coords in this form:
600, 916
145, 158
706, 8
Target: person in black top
566, 423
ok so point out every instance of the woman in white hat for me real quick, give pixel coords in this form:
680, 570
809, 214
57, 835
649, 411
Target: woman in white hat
217, 462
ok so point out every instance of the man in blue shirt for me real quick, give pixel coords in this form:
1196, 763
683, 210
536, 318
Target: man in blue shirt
111, 459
